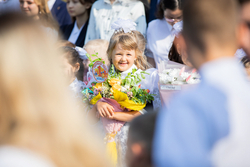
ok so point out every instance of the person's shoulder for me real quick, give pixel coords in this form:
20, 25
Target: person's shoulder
98, 4
155, 22
203, 97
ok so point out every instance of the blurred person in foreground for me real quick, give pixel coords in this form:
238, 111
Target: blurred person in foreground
209, 125
245, 18
39, 123
140, 137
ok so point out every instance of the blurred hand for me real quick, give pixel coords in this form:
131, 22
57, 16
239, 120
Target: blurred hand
104, 109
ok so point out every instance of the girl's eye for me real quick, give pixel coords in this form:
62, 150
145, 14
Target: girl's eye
128, 54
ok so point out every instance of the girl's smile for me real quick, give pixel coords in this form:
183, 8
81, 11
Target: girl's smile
123, 59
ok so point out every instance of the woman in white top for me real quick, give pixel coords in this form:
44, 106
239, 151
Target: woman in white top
159, 37
40, 125
105, 12
79, 10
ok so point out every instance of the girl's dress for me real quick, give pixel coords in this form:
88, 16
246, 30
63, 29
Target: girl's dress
150, 82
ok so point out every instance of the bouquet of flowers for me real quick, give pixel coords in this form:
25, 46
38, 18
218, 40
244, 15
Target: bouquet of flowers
174, 77
123, 94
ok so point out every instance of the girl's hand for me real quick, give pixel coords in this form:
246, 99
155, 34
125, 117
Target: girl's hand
104, 109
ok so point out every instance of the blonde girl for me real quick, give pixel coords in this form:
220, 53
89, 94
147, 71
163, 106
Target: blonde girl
126, 52
39, 124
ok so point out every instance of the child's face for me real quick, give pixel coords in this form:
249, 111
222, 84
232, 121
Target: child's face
123, 59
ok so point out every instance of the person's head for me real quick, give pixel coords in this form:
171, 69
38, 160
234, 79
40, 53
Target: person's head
210, 29
36, 111
126, 49
99, 46
72, 63
140, 137
246, 63
38, 9
245, 18
77, 8
170, 10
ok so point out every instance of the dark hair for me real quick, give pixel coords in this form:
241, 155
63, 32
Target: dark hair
142, 130
174, 55
83, 2
199, 22
245, 61
73, 57
242, 2
167, 4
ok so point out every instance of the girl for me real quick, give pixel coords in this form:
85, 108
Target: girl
125, 52
38, 10
159, 31
79, 10
39, 124
178, 51
73, 68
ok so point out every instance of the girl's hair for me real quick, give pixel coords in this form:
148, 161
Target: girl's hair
168, 4
83, 2
73, 57
174, 55
130, 41
36, 108
45, 15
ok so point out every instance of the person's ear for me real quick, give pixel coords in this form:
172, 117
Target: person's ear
76, 67
136, 149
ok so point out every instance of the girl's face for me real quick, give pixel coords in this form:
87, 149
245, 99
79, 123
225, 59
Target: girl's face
173, 16
123, 59
29, 7
76, 8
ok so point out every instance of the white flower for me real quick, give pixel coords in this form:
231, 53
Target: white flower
178, 77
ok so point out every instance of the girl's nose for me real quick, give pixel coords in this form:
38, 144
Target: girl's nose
123, 58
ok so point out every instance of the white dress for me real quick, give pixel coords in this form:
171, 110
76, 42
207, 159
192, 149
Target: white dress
151, 83
159, 40
11, 156
103, 14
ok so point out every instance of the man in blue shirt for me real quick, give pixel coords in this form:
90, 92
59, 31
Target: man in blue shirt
208, 125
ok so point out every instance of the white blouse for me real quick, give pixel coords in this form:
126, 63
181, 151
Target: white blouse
11, 156
103, 14
75, 33
159, 40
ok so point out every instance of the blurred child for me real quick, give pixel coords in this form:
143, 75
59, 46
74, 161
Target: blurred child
73, 69
39, 124
140, 138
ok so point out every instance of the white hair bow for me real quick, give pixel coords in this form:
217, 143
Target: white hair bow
81, 52
126, 25
177, 28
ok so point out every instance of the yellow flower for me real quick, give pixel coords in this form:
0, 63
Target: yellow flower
116, 87
115, 81
98, 86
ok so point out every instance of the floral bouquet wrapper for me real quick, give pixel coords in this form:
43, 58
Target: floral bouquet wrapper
175, 77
